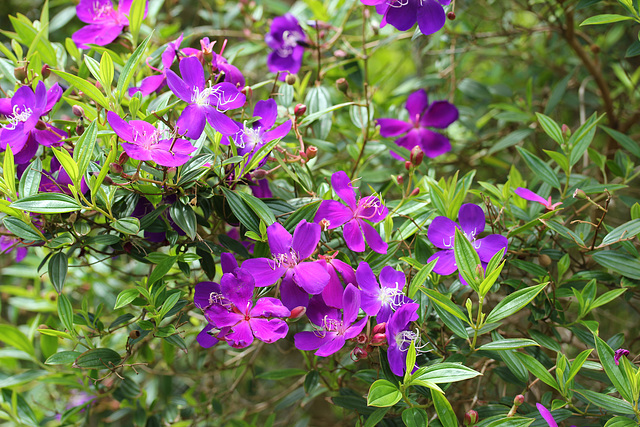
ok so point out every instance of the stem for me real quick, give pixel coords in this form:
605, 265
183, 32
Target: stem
365, 58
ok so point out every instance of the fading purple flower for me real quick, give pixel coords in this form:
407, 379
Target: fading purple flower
531, 196
156, 82
146, 142
354, 216
58, 180
384, 298
25, 130
288, 40
403, 14
299, 278
332, 293
333, 328
250, 139
105, 22
205, 103
620, 353
442, 233
438, 114
400, 337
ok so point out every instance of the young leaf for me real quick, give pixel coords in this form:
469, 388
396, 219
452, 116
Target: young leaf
383, 393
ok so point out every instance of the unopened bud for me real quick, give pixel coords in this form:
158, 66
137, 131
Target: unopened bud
407, 165
416, 155
291, 79
470, 418
566, 131
379, 339
20, 73
79, 129
43, 326
340, 53
124, 157
544, 260
479, 271
400, 179
518, 400
248, 92
98, 85
40, 125
359, 354
298, 312
451, 16
45, 71
595, 49
77, 110
115, 168
107, 180
171, 172
380, 328
259, 174
134, 334
299, 110
324, 224
415, 192
342, 84
362, 339
311, 152
579, 194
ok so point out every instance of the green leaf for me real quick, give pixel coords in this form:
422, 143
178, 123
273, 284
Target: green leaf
445, 303
444, 373
177, 341
577, 363
136, 16
169, 303
510, 140
62, 358
616, 373
280, 374
514, 303
128, 225
611, 404
508, 344
443, 408
9, 170
47, 203
67, 163
83, 151
315, 116
491, 278
452, 322
410, 361
607, 297
628, 230
415, 417
259, 207
539, 168
12, 336
512, 422
621, 422
242, 211
383, 393
65, 312
130, 67
419, 279
467, 260
20, 229
125, 297
98, 358
30, 180
551, 128
58, 267
83, 85
185, 218
626, 142
620, 263
538, 370
161, 269
581, 138
606, 18
376, 416
106, 71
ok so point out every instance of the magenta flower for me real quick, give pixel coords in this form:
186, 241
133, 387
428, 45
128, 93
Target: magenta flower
355, 216
105, 22
146, 143
620, 353
333, 329
25, 130
156, 82
299, 278
442, 233
288, 40
400, 337
58, 180
403, 14
230, 73
530, 195
208, 103
439, 114
332, 293
9, 244
384, 298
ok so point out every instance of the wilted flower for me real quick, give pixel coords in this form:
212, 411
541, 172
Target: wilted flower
354, 216
287, 39
438, 114
530, 195
619, 353
402, 14
105, 22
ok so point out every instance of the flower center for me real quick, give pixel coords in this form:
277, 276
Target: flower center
18, 117
201, 98
250, 137
289, 260
388, 296
144, 139
329, 324
102, 11
405, 338
399, 3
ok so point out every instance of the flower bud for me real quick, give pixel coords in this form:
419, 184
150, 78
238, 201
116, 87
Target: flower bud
518, 400
171, 172
544, 260
291, 79
45, 71
407, 165
108, 181
248, 92
480, 271
98, 85
566, 131
298, 312
342, 84
400, 179
415, 192
311, 152
380, 328
77, 110
259, 174
379, 339
40, 125
124, 157
362, 339
339, 53
79, 129
451, 16
20, 73
579, 194
470, 418
299, 110
359, 354
324, 224
416, 155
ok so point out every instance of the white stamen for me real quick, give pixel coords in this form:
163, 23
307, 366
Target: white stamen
249, 137
18, 117
388, 296
405, 338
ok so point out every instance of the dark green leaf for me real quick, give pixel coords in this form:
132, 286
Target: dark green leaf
610, 403
58, 267
47, 203
98, 358
65, 311
242, 211
514, 303
538, 370
21, 229
383, 393
185, 218
508, 344
540, 168
616, 374
130, 67
161, 269
444, 410
620, 263
626, 142
128, 225
62, 358
415, 417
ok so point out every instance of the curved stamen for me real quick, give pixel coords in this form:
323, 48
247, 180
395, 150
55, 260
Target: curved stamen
18, 117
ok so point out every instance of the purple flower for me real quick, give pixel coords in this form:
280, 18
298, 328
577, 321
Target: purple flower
402, 14
156, 82
288, 40
146, 143
261, 188
332, 293
546, 414
442, 234
300, 278
384, 298
9, 244
105, 22
438, 114
400, 337
58, 180
530, 195
249, 139
333, 329
619, 353
231, 73
205, 103
355, 215
25, 130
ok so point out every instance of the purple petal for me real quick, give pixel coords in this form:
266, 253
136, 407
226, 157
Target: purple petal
488, 246
318, 311
392, 278
441, 232
202, 294
431, 17
149, 85
401, 318
307, 340
178, 86
267, 110
332, 293
367, 280
269, 330
192, 120
342, 186
220, 122
471, 219
24, 98
279, 132
432, 143
87, 10
345, 270
373, 238
40, 96
269, 307
393, 127
350, 304
97, 34
285, 61
228, 262
305, 239
355, 329
192, 72
530, 195
205, 339
370, 303
292, 295
53, 96
311, 276
240, 336
372, 209
28, 150
403, 17
446, 264
120, 127
353, 236
169, 54
264, 271
397, 359
417, 102
333, 346
333, 211
51, 136
221, 317
136, 152
546, 415
238, 288
410, 140
280, 241
226, 96
440, 114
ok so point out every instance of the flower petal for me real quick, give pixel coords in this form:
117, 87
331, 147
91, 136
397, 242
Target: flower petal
530, 195
308, 340
202, 294
279, 132
205, 339
264, 270
178, 86
267, 110
374, 240
280, 240
238, 288
366, 279
446, 263
240, 336
192, 72
441, 232
440, 114
432, 143
311, 277
471, 219
397, 360
392, 278
342, 186
353, 236
269, 330
546, 415
269, 307
431, 17
417, 102
97, 34
403, 17
220, 122
332, 293
333, 346
393, 127
333, 211
488, 246
305, 239
355, 329
400, 320
350, 304
292, 295
192, 120
228, 262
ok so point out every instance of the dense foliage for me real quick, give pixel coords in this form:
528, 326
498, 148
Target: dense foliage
329, 212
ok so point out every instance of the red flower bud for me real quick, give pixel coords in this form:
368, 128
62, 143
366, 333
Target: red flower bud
362, 339
407, 165
342, 85
379, 339
380, 328
415, 192
311, 152
518, 400
451, 16
359, 354
299, 110
298, 312
259, 174
77, 110
123, 158
400, 179
248, 92
470, 418
45, 71
115, 168
416, 155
